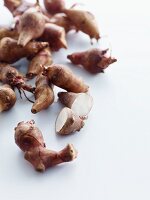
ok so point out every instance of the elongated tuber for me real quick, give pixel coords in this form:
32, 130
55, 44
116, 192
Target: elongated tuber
80, 103
43, 58
10, 52
64, 78
7, 98
83, 21
12, 5
28, 136
30, 140
68, 122
31, 26
62, 20
54, 6
55, 35
5, 32
44, 94
94, 60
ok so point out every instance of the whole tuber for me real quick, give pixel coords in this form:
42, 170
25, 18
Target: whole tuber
12, 5
54, 6
5, 32
93, 60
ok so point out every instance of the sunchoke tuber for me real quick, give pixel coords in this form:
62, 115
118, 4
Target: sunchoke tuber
93, 60
44, 94
63, 77
5, 32
54, 6
12, 5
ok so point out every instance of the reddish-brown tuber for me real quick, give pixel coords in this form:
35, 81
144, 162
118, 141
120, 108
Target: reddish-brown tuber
5, 32
43, 58
83, 21
44, 94
31, 26
10, 52
55, 36
7, 98
68, 122
54, 6
64, 78
30, 140
94, 60
12, 5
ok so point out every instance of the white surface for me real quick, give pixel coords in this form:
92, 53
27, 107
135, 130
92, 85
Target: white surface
114, 145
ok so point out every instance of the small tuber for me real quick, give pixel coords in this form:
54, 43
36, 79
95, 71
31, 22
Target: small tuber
68, 122
44, 94
7, 98
5, 32
43, 58
79, 103
55, 36
10, 52
12, 5
30, 140
31, 26
93, 60
64, 78
54, 6
83, 21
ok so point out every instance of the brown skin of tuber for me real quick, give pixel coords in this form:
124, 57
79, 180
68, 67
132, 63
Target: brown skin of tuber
83, 21
54, 6
7, 98
28, 136
5, 32
11, 52
30, 140
94, 60
64, 78
44, 94
12, 5
43, 58
62, 20
55, 36
31, 26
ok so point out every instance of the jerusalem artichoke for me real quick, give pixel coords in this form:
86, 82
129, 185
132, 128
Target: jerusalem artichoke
63, 77
54, 6
12, 5
83, 21
43, 58
94, 60
7, 98
80, 103
44, 94
55, 35
5, 32
68, 122
10, 52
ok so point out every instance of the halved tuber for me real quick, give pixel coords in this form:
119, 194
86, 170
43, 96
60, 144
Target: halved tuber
54, 6
93, 60
55, 36
64, 78
80, 103
83, 21
10, 52
28, 136
7, 98
44, 57
44, 94
5, 32
30, 140
68, 122
31, 26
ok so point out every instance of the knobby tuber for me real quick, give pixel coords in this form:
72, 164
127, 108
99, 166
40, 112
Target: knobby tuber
5, 32
68, 122
64, 78
54, 6
30, 140
12, 5
7, 98
44, 94
93, 60
43, 58
31, 26
80, 103
62, 20
11, 52
83, 21
55, 35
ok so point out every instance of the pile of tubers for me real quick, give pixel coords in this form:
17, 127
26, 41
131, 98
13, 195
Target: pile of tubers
36, 33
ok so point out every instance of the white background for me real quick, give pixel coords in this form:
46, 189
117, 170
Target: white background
114, 145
